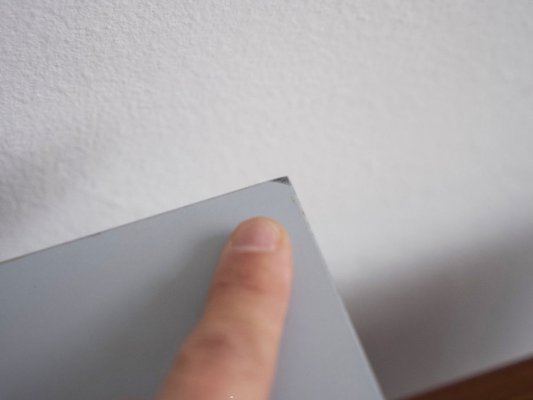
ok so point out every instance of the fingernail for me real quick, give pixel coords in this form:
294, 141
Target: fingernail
258, 234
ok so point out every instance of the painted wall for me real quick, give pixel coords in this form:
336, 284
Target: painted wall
406, 128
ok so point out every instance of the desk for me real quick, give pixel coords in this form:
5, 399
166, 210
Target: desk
513, 382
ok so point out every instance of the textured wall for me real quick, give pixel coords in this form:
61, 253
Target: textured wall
406, 128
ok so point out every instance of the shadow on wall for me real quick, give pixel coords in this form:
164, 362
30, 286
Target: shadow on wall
450, 316
37, 176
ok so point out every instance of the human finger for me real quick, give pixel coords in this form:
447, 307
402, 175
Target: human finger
232, 353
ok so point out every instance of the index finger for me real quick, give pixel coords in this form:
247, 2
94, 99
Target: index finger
232, 353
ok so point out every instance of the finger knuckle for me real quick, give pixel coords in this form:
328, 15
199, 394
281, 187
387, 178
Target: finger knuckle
215, 344
213, 350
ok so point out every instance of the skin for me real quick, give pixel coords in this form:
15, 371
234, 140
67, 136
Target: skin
232, 352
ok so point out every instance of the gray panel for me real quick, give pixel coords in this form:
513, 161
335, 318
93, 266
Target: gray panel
101, 317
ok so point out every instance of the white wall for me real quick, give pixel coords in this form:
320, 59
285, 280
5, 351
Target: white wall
406, 128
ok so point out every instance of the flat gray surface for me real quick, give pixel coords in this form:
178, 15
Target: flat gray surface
101, 317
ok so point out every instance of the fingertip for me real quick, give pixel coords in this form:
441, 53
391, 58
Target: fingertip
258, 234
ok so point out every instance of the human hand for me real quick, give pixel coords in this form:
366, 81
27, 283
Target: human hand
232, 352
